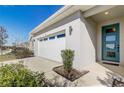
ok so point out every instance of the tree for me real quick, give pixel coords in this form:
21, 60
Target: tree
3, 37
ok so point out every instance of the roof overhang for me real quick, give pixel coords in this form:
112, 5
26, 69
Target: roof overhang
89, 10
60, 14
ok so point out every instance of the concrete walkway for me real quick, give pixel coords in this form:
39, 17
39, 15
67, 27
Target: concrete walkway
98, 75
114, 68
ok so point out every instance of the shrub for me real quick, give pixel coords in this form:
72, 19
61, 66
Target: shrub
17, 75
22, 52
67, 57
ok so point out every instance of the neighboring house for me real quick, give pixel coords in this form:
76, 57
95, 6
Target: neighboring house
95, 33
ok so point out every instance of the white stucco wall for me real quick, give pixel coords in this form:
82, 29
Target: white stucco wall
99, 38
73, 42
69, 42
82, 40
88, 41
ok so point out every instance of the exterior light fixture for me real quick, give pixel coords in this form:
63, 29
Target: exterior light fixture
114, 29
70, 30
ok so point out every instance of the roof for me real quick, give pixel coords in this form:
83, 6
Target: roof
59, 15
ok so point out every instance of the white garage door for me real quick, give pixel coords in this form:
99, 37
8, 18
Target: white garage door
50, 46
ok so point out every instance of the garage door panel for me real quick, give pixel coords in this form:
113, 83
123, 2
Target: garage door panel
51, 49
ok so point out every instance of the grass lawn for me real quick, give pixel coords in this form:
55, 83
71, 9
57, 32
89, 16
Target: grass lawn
7, 57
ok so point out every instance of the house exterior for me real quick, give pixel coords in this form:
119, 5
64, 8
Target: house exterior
94, 32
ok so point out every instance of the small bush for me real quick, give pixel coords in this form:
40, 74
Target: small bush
17, 75
67, 57
22, 52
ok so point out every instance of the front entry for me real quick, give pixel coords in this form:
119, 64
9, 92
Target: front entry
110, 43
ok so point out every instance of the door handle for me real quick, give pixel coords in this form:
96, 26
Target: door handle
118, 46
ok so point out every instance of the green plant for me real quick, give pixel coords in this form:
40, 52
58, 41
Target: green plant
17, 75
67, 57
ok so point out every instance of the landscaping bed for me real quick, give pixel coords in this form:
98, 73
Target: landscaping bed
72, 75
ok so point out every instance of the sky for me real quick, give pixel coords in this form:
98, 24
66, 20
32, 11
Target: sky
20, 20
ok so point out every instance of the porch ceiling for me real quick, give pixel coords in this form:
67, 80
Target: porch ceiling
112, 13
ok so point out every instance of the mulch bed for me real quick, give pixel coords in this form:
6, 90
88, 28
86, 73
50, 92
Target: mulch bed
72, 76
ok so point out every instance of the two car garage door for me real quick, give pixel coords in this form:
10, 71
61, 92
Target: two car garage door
50, 46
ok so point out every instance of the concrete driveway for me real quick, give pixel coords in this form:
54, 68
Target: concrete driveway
98, 75
36, 63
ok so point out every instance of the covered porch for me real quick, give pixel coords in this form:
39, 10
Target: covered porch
107, 34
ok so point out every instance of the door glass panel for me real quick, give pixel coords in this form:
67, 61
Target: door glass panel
110, 54
109, 30
111, 38
110, 46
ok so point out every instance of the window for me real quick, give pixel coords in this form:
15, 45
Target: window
45, 39
60, 35
110, 46
111, 54
52, 37
111, 38
109, 30
41, 39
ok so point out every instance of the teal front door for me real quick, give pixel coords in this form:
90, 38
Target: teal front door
110, 43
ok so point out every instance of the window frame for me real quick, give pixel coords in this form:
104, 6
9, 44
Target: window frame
61, 35
52, 37
45, 39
